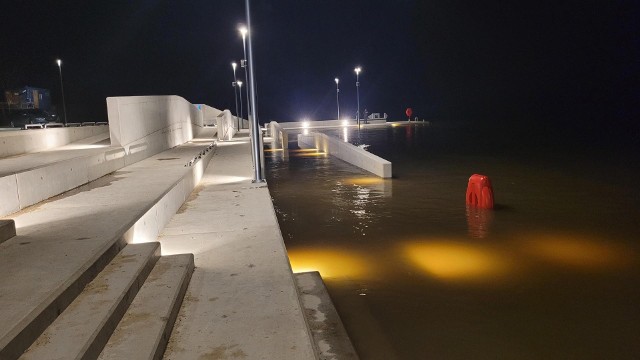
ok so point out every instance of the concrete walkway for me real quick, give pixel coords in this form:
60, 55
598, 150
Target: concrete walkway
242, 301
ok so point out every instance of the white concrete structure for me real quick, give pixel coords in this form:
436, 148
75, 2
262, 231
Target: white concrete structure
14, 143
279, 134
147, 125
209, 114
326, 124
347, 152
225, 122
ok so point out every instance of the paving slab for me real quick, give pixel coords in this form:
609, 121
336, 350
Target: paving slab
242, 300
84, 327
144, 330
63, 243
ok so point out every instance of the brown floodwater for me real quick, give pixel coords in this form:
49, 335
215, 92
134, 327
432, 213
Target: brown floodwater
551, 273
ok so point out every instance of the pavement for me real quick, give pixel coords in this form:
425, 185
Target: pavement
242, 300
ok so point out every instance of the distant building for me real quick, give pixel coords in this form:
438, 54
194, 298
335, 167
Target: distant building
27, 97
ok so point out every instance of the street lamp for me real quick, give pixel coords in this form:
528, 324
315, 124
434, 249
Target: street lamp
357, 70
64, 106
240, 91
243, 63
338, 96
235, 94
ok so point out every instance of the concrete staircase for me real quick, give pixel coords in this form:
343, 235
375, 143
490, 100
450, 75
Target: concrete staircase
130, 307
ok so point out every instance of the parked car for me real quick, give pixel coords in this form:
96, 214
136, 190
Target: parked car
22, 117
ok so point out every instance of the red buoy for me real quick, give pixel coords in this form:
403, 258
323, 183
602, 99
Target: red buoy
480, 192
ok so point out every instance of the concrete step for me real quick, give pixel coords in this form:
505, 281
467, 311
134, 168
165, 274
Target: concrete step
83, 329
329, 334
63, 244
144, 330
7, 229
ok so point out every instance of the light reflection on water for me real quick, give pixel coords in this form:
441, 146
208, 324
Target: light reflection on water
414, 273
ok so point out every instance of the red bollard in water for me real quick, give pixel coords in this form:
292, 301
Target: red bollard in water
479, 192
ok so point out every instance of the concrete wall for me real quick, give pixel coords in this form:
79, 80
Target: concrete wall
27, 141
226, 124
209, 115
347, 152
279, 135
147, 125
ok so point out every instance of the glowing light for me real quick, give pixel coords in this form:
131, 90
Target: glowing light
578, 251
331, 263
457, 262
305, 132
234, 66
305, 123
345, 134
239, 83
243, 30
337, 81
358, 70
345, 122
59, 62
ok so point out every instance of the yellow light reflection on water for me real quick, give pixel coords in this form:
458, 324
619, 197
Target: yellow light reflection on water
454, 261
331, 263
578, 251
365, 180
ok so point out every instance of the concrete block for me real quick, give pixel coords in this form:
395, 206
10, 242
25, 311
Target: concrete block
7, 229
83, 329
42, 183
144, 330
14, 143
9, 202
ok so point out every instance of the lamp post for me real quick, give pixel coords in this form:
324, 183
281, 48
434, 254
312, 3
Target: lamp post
357, 70
338, 95
235, 94
64, 106
243, 63
240, 91
256, 139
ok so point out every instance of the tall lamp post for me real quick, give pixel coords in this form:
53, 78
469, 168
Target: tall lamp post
64, 106
243, 63
235, 94
240, 91
338, 96
256, 139
357, 70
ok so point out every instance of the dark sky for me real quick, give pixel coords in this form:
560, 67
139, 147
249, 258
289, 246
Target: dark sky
555, 63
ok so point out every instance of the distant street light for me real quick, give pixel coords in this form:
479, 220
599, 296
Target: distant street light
64, 106
338, 96
357, 70
235, 94
240, 91
243, 63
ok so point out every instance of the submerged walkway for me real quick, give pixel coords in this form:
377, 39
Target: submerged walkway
242, 301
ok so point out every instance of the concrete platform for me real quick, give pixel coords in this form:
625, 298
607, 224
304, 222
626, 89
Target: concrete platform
63, 243
242, 301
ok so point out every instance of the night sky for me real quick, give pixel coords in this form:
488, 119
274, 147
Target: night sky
560, 65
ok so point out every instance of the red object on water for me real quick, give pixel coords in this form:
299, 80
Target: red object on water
409, 111
480, 192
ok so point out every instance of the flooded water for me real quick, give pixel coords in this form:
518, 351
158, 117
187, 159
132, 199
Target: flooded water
551, 273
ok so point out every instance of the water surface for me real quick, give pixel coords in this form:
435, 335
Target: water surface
551, 273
